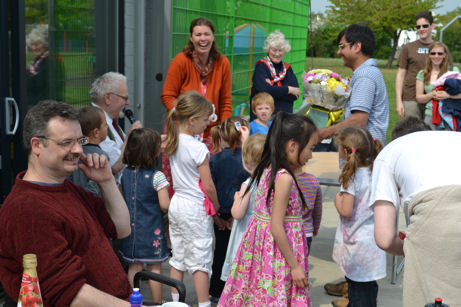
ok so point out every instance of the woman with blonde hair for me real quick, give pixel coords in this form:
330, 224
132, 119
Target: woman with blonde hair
273, 76
436, 65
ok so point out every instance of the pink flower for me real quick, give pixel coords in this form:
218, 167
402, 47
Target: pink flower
334, 75
157, 231
156, 243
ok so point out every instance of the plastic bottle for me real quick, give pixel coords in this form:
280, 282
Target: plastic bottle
136, 298
29, 293
437, 303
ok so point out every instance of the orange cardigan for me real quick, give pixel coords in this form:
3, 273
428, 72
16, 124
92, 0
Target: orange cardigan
183, 76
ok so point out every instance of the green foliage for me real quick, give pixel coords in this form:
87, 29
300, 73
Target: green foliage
321, 41
451, 34
387, 16
383, 46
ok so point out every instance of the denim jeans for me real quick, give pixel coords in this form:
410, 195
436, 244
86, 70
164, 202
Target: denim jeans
362, 294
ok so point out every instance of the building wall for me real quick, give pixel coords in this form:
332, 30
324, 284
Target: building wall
147, 49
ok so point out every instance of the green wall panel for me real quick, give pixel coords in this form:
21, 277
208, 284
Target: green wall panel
241, 28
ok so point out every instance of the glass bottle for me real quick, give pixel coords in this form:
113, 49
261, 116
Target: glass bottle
29, 293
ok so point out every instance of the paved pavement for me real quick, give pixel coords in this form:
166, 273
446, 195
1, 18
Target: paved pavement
322, 268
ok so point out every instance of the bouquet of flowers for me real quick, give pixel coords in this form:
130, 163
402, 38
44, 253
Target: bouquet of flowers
326, 89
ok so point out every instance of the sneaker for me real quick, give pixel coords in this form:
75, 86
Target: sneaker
339, 289
340, 302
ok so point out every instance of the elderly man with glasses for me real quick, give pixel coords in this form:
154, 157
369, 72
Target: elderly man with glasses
411, 60
110, 93
67, 227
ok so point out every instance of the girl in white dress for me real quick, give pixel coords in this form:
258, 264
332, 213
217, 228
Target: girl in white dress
355, 249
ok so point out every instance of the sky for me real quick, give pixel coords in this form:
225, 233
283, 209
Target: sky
319, 6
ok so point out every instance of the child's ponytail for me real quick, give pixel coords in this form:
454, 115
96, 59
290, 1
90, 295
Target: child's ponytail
361, 150
171, 141
215, 132
350, 167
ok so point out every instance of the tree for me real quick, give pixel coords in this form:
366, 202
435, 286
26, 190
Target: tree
451, 34
388, 16
321, 40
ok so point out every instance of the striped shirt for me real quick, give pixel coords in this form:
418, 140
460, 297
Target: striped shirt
312, 212
368, 94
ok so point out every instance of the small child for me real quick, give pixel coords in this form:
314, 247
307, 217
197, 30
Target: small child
242, 209
312, 212
191, 228
262, 106
228, 175
355, 249
145, 191
271, 264
94, 127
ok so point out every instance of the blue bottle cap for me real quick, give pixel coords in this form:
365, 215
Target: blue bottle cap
136, 297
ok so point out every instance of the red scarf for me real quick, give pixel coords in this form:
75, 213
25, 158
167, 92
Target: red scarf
33, 68
276, 79
203, 69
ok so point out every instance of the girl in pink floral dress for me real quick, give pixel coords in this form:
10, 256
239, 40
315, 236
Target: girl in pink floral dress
271, 266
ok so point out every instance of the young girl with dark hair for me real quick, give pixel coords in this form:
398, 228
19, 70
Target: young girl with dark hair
145, 191
271, 265
355, 249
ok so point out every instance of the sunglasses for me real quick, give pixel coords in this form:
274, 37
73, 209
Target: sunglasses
437, 53
425, 26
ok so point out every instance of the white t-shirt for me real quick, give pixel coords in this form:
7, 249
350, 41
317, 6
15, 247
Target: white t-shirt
355, 249
415, 163
189, 155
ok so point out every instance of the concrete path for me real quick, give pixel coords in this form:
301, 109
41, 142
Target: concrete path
322, 267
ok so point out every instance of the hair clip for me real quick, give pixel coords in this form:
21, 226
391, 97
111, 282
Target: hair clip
354, 150
174, 110
213, 117
374, 139
237, 126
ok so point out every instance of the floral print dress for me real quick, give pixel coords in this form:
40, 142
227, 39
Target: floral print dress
260, 275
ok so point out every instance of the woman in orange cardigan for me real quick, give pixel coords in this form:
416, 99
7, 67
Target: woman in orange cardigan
199, 67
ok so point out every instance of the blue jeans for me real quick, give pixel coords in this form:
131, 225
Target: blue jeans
362, 294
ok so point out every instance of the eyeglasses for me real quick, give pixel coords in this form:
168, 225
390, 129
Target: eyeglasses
123, 97
437, 53
425, 26
342, 46
68, 143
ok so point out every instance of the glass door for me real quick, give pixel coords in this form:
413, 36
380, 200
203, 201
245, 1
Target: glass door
50, 50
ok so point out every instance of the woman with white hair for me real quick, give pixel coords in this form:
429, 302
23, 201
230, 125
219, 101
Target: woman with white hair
39, 72
273, 76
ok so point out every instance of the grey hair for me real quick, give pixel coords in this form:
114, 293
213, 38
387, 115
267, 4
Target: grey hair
37, 118
109, 82
39, 34
276, 39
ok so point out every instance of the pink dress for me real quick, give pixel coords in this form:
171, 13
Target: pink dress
260, 275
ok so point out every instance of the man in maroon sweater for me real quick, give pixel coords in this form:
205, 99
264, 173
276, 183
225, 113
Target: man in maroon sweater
65, 226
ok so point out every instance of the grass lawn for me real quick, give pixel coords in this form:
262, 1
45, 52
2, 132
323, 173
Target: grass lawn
336, 65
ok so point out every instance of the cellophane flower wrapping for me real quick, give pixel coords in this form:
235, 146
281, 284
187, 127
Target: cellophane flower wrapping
325, 88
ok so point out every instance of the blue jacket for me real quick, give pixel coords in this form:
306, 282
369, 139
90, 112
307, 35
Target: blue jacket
228, 174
